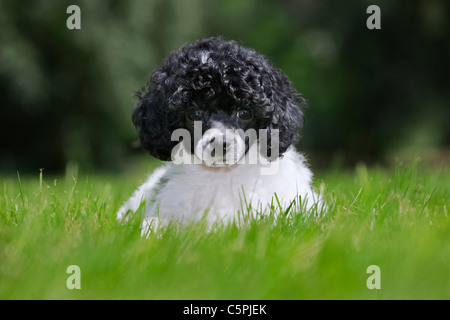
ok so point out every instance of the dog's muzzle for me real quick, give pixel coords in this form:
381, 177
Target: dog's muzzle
220, 147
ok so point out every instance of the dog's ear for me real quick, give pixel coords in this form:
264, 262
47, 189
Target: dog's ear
150, 119
287, 117
289, 124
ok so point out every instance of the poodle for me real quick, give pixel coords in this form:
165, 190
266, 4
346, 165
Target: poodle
225, 120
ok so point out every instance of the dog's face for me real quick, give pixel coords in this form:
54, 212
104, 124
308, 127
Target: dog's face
218, 91
223, 126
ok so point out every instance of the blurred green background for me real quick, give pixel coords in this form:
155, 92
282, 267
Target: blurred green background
65, 95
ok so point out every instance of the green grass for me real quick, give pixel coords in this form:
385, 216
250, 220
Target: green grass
396, 219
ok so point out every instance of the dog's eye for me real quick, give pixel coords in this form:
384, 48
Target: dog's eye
244, 114
195, 115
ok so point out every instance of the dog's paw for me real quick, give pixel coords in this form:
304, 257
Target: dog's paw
123, 214
149, 226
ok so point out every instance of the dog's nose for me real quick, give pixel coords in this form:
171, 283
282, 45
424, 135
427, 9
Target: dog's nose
221, 144
223, 147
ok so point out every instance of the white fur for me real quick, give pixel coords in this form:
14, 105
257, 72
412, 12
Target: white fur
188, 191
204, 56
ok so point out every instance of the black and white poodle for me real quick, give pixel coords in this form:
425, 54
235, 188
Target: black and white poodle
226, 121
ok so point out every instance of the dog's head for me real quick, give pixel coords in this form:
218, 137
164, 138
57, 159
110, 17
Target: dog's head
225, 90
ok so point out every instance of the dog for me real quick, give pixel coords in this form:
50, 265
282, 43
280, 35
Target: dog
226, 121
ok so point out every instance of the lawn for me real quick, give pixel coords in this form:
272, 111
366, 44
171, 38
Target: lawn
396, 219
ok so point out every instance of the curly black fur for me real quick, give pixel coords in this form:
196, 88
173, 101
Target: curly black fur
231, 77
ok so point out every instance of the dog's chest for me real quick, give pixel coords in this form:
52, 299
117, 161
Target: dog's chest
194, 191
191, 191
